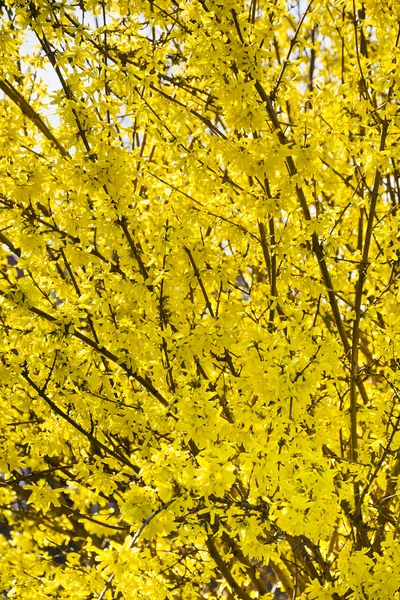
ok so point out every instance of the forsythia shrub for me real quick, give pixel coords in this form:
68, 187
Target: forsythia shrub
199, 299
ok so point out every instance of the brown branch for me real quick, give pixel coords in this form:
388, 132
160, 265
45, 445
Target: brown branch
293, 42
316, 244
27, 110
198, 277
4, 240
250, 568
224, 570
356, 333
96, 443
144, 381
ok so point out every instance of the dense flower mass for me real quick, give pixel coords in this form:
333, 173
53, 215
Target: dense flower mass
199, 299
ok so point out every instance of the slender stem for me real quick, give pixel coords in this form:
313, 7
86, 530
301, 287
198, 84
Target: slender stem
96, 443
358, 301
26, 109
224, 570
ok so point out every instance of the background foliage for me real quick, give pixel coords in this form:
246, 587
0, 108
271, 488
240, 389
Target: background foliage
199, 299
